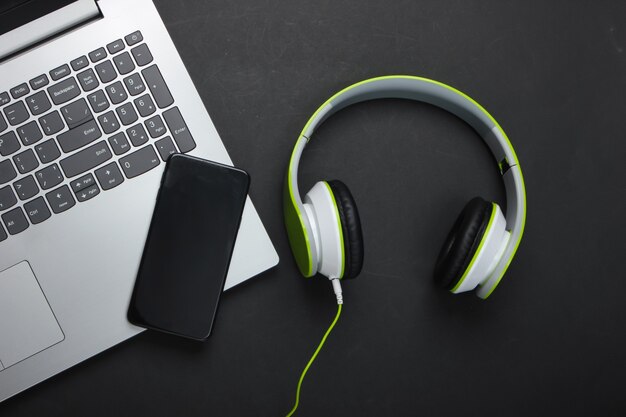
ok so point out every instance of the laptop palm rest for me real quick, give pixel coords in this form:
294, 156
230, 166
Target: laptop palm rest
27, 324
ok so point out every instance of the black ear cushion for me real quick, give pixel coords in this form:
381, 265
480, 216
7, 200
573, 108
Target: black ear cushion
462, 242
351, 227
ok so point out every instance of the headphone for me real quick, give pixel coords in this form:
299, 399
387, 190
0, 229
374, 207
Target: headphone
325, 230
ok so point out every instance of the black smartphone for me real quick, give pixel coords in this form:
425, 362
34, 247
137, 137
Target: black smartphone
187, 253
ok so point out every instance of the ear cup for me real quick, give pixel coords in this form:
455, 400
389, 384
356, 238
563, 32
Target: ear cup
462, 242
351, 228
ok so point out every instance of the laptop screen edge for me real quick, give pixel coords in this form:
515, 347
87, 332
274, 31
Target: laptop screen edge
47, 26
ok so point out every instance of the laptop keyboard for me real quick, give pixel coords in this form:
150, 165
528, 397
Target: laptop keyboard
84, 128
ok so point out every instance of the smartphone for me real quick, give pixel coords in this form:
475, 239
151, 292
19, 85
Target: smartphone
189, 246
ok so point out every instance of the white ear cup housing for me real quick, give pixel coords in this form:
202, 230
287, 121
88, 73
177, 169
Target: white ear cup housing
494, 243
321, 209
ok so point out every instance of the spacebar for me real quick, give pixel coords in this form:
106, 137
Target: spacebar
86, 159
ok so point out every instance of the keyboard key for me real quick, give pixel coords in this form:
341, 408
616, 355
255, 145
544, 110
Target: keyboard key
20, 91
134, 84
4, 98
109, 176
39, 82
60, 72
88, 193
82, 182
155, 126
76, 113
98, 101
133, 38
9, 143
16, 113
97, 55
3, 234
157, 86
60, 199
145, 105
127, 114
116, 93
179, 130
109, 122
29, 133
51, 123
137, 135
49, 177
47, 151
123, 63
79, 136
15, 221
64, 91
26, 188
86, 159
119, 144
7, 198
7, 172
139, 162
116, 46
88, 80
3, 124
165, 147
142, 55
38, 103
79, 63
106, 72
37, 210
26, 161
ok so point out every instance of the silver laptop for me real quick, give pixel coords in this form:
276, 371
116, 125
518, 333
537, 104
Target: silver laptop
93, 99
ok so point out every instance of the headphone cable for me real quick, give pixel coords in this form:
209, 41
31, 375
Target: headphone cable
330, 329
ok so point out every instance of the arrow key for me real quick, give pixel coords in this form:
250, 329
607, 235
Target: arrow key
88, 193
60, 199
83, 182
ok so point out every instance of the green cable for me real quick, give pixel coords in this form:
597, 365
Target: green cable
308, 365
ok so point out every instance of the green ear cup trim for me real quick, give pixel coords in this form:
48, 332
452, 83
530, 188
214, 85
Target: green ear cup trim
480, 247
339, 226
296, 232
519, 240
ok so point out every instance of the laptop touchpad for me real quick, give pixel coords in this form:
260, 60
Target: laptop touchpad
27, 325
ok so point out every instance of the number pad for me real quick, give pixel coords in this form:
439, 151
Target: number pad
109, 122
116, 93
155, 126
119, 143
145, 105
137, 135
98, 101
134, 84
127, 114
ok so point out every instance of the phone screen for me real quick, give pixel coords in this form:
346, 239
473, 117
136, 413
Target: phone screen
187, 253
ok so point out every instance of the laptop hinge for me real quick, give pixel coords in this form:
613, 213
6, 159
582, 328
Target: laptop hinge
51, 24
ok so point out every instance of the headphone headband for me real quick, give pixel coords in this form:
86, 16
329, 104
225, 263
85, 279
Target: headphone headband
428, 91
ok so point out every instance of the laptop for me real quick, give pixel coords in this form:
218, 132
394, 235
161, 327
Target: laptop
93, 99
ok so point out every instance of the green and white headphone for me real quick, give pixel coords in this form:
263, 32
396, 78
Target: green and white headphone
325, 231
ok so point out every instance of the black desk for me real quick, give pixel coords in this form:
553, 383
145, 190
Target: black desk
550, 341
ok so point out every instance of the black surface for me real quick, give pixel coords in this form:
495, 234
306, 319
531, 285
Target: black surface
551, 339
15, 13
191, 239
